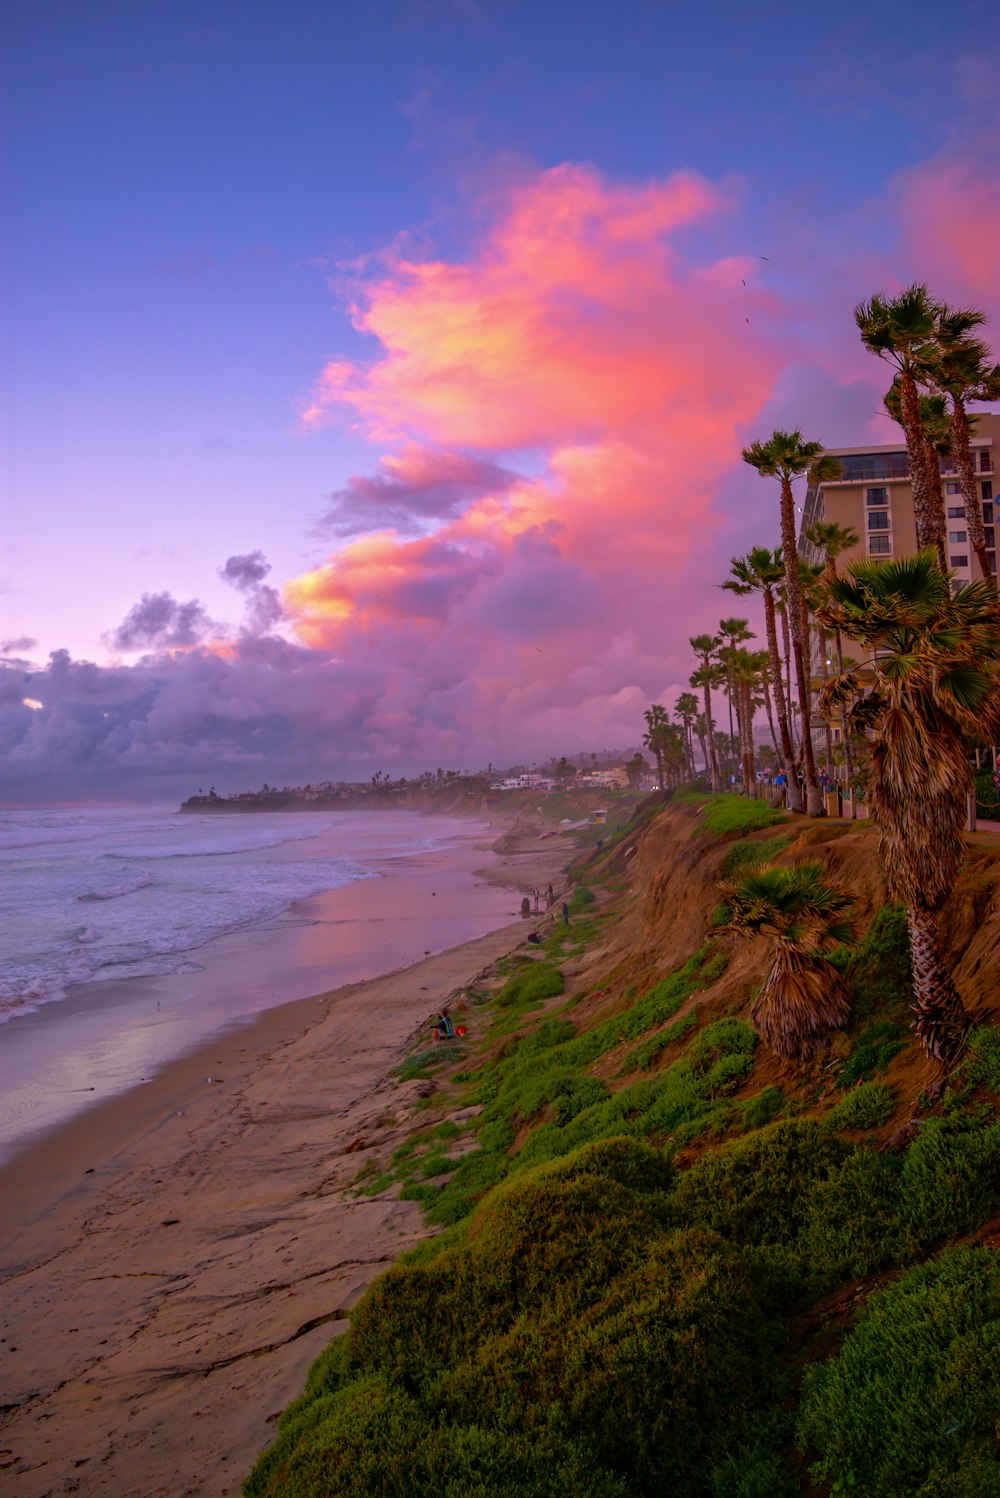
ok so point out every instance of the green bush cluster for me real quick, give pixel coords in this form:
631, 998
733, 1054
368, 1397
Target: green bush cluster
877, 972
531, 985
602, 1324
910, 1404
744, 854
867, 1106
873, 1050
982, 1065
726, 813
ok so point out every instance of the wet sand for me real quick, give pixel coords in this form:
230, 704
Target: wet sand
176, 1257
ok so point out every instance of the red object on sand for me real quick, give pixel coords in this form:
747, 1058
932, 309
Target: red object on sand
459, 1030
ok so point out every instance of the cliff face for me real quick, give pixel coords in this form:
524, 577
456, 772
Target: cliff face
672, 868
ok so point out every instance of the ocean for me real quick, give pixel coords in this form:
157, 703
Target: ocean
133, 934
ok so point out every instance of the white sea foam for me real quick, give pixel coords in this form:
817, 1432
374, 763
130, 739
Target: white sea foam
97, 894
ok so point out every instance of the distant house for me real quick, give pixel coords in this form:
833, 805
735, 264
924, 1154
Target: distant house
613, 779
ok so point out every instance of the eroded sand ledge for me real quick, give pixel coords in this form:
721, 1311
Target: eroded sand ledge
188, 1249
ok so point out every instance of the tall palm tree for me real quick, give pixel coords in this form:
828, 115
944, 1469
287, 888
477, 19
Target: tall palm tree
935, 662
686, 709
761, 571
654, 737
734, 632
704, 647
832, 539
701, 732
802, 917
784, 456
961, 370
902, 330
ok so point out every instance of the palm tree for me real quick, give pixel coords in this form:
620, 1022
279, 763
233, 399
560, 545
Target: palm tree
832, 539
701, 731
784, 456
802, 917
961, 370
761, 571
902, 330
704, 647
686, 709
654, 737
935, 662
734, 632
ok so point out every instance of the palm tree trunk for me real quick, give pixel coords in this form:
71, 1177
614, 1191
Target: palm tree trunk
770, 714
846, 731
824, 672
786, 646
927, 514
780, 700
749, 768
961, 451
942, 1021
795, 608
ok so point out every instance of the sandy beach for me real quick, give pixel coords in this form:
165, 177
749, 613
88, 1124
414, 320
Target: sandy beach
175, 1257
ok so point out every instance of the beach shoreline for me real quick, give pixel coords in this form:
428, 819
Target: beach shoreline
176, 1257
106, 1036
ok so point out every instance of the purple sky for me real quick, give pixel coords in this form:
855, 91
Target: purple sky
376, 373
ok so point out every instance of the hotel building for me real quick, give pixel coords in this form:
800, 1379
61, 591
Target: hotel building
873, 496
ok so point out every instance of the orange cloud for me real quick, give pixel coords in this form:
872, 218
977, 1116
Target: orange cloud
575, 332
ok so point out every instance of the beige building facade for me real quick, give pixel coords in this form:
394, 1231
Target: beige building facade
873, 496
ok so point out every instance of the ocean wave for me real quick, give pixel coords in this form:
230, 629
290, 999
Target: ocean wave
128, 887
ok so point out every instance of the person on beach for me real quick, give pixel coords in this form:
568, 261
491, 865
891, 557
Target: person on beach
565, 914
443, 1027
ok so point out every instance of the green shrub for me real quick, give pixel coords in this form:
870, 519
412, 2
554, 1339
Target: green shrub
853, 1224
877, 972
764, 1108
531, 985
982, 1065
873, 1050
740, 814
750, 855
657, 1376
867, 1106
910, 1404
581, 898
757, 1190
951, 1177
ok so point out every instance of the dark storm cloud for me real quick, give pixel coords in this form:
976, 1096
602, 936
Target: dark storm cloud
420, 487
159, 622
247, 571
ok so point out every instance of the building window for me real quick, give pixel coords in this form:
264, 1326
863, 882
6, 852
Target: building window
878, 520
866, 468
985, 461
958, 538
960, 561
956, 512
953, 488
991, 557
987, 514
876, 497
987, 489
879, 546
989, 533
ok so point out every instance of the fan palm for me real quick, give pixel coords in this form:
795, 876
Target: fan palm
761, 571
902, 330
686, 709
935, 661
962, 371
802, 917
654, 737
832, 539
734, 632
704, 647
784, 456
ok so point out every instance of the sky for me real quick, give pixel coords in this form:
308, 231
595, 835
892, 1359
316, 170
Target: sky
375, 372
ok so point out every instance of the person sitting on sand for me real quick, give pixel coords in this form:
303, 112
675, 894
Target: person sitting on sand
443, 1027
